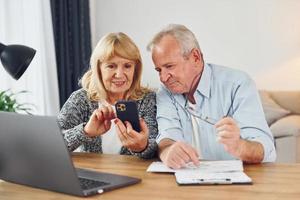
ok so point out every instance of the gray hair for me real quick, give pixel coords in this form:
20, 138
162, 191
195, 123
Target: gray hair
185, 38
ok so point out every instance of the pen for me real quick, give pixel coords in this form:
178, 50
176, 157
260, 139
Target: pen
214, 181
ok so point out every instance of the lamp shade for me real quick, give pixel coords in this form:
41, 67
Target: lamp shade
16, 58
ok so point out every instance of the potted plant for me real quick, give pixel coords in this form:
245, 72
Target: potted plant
9, 103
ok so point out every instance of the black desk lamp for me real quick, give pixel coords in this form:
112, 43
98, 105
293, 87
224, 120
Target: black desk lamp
16, 58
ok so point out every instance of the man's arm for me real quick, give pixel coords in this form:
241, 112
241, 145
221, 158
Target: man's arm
163, 147
229, 136
250, 125
251, 151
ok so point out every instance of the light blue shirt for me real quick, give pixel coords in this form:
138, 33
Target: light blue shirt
215, 91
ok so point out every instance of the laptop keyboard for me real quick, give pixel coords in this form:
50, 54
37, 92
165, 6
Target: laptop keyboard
89, 183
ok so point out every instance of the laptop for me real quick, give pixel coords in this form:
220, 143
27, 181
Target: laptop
33, 153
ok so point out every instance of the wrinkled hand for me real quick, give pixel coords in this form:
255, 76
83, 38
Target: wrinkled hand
135, 141
229, 135
179, 154
100, 121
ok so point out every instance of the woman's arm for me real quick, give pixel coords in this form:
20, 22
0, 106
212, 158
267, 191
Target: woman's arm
147, 110
72, 118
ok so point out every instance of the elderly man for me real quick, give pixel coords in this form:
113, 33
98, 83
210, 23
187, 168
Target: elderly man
205, 111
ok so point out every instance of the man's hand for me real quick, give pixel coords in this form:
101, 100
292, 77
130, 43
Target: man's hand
177, 154
229, 135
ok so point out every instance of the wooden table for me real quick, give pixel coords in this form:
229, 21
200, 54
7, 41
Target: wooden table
270, 181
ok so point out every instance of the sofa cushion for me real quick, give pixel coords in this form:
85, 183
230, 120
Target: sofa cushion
286, 126
272, 110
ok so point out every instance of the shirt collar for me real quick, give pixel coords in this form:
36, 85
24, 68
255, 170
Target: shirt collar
205, 81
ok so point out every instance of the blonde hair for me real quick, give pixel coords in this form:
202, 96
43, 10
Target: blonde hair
113, 44
185, 38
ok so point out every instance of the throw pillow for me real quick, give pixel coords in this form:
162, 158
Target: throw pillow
272, 110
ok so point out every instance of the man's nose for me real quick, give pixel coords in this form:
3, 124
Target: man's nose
164, 76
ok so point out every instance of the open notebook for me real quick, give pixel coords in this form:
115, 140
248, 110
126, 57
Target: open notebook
208, 172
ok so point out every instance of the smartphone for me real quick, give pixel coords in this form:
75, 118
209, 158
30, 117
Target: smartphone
127, 111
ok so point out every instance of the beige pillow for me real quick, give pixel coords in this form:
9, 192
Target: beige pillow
290, 100
272, 110
287, 126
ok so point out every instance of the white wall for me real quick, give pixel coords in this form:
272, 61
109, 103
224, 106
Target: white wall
261, 37
29, 22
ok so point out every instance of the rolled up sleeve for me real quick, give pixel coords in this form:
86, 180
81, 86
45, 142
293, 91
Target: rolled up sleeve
252, 119
267, 141
169, 125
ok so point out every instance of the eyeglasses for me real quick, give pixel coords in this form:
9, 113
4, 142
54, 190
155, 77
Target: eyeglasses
194, 112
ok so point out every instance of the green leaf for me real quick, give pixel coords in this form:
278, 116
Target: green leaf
9, 103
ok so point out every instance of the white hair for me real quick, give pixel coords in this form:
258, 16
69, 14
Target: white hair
185, 38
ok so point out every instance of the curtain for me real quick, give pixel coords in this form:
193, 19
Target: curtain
28, 22
71, 24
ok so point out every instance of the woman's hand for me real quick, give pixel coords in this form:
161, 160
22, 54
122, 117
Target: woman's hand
134, 141
100, 121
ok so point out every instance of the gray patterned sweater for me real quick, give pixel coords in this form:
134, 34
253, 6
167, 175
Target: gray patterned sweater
77, 110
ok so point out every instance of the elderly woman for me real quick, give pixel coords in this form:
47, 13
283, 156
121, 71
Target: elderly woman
88, 118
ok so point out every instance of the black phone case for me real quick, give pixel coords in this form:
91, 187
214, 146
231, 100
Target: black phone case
127, 111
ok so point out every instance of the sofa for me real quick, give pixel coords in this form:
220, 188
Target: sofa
282, 112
